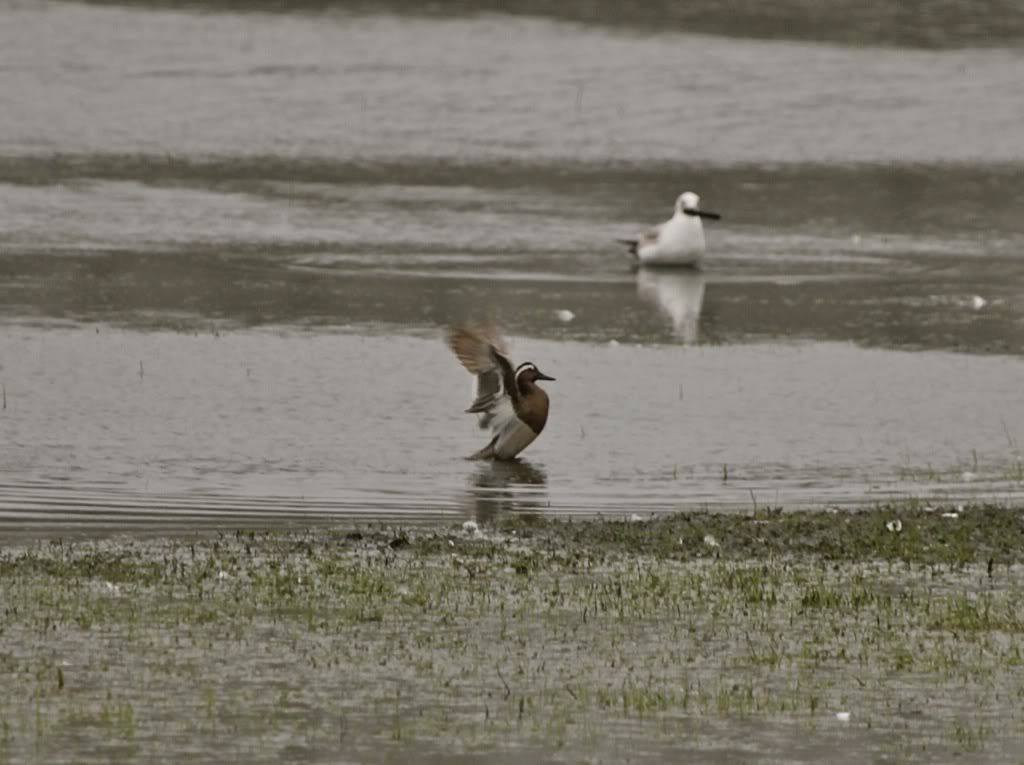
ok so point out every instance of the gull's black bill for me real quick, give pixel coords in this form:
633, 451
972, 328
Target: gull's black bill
702, 213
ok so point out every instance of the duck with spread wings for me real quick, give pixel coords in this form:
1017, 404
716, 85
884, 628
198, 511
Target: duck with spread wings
507, 400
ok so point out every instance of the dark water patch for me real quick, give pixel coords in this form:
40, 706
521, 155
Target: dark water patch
916, 23
69, 508
955, 200
906, 256
917, 303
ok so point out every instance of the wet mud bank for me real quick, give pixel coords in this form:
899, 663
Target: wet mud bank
891, 634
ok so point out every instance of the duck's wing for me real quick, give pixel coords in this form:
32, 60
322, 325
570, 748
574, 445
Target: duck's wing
479, 349
483, 352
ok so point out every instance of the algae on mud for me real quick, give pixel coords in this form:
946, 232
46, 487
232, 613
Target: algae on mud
724, 636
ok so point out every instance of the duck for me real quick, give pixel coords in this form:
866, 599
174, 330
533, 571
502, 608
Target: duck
506, 399
679, 241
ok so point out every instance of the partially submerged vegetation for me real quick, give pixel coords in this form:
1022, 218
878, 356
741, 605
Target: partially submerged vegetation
785, 635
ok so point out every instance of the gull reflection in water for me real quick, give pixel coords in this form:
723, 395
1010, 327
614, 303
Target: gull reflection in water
679, 294
512, 486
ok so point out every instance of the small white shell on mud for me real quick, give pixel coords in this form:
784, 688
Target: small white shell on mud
843, 716
710, 541
634, 518
112, 588
223, 574
895, 526
565, 315
978, 302
951, 515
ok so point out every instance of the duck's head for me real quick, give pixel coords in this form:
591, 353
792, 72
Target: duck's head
688, 203
527, 372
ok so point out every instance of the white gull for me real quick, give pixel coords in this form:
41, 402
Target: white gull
679, 241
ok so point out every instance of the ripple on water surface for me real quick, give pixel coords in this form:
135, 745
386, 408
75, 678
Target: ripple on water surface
126, 428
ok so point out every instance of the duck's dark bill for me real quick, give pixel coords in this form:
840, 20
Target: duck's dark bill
542, 376
702, 213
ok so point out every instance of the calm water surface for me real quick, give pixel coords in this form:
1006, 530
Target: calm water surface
231, 237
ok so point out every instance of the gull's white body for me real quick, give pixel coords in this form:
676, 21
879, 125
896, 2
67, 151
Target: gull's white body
679, 241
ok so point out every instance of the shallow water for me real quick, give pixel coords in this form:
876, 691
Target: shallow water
231, 237
107, 426
370, 86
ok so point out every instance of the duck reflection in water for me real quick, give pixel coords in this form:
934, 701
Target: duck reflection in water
507, 486
678, 294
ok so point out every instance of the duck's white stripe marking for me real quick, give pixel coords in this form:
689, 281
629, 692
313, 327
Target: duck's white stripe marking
523, 367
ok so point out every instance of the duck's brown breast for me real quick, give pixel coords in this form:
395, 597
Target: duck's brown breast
533, 408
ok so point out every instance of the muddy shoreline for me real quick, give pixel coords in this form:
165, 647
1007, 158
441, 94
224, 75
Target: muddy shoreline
781, 636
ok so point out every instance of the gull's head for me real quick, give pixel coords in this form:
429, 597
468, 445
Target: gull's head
689, 204
687, 200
